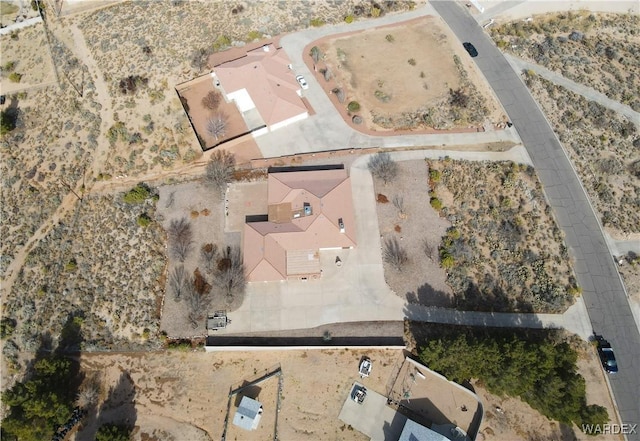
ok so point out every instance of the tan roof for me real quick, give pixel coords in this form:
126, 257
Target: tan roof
274, 250
266, 76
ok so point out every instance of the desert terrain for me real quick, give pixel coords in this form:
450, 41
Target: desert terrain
389, 74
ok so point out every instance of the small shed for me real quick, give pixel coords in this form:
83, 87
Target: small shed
248, 414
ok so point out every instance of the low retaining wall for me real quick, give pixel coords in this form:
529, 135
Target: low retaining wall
291, 348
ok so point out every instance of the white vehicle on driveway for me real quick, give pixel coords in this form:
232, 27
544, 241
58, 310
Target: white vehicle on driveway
365, 367
303, 83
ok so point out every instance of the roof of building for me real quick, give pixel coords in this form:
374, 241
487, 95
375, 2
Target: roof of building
308, 211
264, 72
248, 414
413, 431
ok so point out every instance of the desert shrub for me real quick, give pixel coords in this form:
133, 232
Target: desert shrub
7, 326
71, 265
381, 96
458, 98
538, 370
211, 100
326, 74
316, 22
137, 194
436, 203
339, 93
254, 35
356, 119
219, 171
353, 106
222, 42
15, 77
390, 38
383, 167
349, 19
9, 66
130, 84
144, 220
411, 61
315, 54
434, 175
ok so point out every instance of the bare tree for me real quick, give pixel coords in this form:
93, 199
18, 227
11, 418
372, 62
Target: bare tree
339, 93
180, 238
383, 167
208, 255
428, 249
219, 170
398, 202
199, 58
211, 100
229, 276
394, 254
327, 74
217, 125
178, 282
458, 98
89, 392
198, 302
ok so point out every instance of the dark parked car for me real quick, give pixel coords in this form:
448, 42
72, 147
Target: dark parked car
607, 357
470, 48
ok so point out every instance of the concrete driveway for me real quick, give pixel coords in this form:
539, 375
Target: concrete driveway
355, 291
373, 417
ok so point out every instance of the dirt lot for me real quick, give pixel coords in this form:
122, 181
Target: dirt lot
421, 280
390, 72
168, 395
28, 51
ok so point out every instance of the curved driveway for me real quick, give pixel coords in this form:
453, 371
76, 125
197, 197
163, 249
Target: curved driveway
603, 291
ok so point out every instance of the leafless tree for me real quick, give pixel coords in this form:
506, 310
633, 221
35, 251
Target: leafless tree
428, 249
398, 202
217, 125
229, 276
219, 170
211, 100
198, 302
178, 282
383, 167
199, 58
208, 255
327, 74
180, 238
89, 392
339, 93
394, 254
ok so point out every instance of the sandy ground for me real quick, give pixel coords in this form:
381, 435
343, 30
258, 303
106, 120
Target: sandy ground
404, 79
421, 280
183, 395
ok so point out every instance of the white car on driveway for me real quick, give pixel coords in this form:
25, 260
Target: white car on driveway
303, 83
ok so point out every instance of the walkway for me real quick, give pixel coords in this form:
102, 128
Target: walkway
519, 65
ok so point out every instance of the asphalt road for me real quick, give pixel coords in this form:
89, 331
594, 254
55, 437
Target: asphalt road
604, 294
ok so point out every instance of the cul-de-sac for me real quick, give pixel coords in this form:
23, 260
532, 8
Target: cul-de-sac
398, 220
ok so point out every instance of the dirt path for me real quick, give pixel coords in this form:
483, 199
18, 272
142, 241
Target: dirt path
68, 202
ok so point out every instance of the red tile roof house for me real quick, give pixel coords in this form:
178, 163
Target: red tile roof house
308, 211
263, 87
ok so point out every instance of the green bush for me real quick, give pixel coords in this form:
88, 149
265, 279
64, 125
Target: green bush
71, 265
434, 175
15, 77
348, 19
113, 432
316, 22
8, 120
536, 369
137, 194
254, 35
353, 106
144, 220
9, 66
447, 261
435, 203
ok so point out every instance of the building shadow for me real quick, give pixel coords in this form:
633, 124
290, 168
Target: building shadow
393, 429
251, 391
